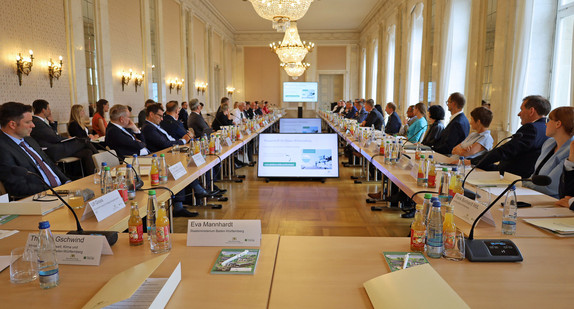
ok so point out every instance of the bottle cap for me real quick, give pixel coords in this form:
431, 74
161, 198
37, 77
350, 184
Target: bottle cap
154, 155
128, 166
44, 225
454, 169
428, 195
162, 155
461, 158
151, 192
444, 169
104, 164
434, 199
513, 188
135, 156
422, 156
134, 203
436, 204
431, 156
107, 168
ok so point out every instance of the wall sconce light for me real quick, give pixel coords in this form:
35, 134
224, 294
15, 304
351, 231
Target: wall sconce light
138, 80
175, 83
126, 78
24, 65
230, 91
54, 70
201, 87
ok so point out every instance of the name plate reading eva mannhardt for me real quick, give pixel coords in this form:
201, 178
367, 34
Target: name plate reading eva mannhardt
245, 233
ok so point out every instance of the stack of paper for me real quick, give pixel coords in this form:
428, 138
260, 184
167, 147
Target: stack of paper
560, 226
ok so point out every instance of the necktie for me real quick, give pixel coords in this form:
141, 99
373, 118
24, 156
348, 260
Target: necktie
43, 166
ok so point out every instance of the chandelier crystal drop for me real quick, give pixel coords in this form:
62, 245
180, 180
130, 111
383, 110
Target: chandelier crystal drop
295, 69
291, 49
281, 12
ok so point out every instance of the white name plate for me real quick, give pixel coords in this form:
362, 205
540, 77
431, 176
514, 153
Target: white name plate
468, 210
415, 171
224, 233
76, 249
228, 142
248, 132
196, 160
257, 127
177, 170
104, 206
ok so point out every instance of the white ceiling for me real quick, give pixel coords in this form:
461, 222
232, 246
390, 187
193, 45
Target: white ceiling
330, 15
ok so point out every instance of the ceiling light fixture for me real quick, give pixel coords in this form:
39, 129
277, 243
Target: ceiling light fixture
281, 12
295, 69
291, 49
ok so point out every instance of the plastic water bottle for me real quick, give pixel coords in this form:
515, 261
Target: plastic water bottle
151, 208
107, 181
434, 232
509, 212
101, 177
444, 184
427, 205
461, 167
130, 182
47, 264
136, 164
162, 169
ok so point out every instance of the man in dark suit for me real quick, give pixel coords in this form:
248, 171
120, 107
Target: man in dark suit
57, 146
374, 118
458, 127
519, 155
566, 188
157, 138
183, 115
350, 110
394, 124
196, 121
171, 124
142, 114
362, 112
19, 149
249, 111
122, 135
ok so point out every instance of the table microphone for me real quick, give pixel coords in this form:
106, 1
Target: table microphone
111, 236
498, 250
517, 135
139, 181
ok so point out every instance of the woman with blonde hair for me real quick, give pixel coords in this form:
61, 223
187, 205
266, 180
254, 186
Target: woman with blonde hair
76, 125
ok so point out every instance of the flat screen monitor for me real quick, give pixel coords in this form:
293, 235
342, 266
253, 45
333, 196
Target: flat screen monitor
298, 155
300, 125
299, 92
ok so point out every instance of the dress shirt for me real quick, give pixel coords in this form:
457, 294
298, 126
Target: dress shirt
454, 115
169, 137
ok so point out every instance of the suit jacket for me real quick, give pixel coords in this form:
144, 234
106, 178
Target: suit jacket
141, 118
551, 168
433, 133
173, 127
13, 155
249, 113
258, 112
519, 155
375, 118
454, 133
379, 108
183, 116
362, 115
122, 143
48, 138
394, 125
220, 120
567, 184
74, 129
155, 140
198, 125
351, 114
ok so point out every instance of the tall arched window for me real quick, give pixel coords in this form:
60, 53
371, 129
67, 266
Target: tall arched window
90, 48
415, 55
390, 72
363, 72
561, 94
374, 70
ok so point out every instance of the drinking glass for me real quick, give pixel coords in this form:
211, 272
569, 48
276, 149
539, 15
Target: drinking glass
76, 199
484, 192
23, 265
457, 253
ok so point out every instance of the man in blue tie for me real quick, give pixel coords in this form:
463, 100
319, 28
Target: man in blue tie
19, 149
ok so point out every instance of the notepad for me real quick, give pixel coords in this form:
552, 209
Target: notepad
388, 291
560, 226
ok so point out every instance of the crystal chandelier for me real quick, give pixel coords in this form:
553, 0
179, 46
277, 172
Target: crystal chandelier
281, 12
291, 49
295, 69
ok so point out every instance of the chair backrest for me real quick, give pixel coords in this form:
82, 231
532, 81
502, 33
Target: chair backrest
2, 189
107, 157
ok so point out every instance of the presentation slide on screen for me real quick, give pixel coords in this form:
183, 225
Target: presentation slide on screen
298, 155
299, 92
300, 125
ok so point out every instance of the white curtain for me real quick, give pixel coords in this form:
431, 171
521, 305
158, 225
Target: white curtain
415, 55
390, 75
523, 31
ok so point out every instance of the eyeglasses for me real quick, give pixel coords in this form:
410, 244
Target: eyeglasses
160, 115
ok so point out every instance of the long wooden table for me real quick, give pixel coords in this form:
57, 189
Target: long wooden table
329, 272
63, 220
198, 287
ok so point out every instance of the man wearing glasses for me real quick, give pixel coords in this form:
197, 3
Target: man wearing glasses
458, 127
157, 138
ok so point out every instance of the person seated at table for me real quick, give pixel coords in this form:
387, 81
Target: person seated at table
436, 121
350, 111
416, 130
555, 150
394, 121
566, 188
374, 118
480, 141
122, 135
142, 114
19, 149
238, 114
171, 123
362, 112
99, 123
518, 156
458, 127
196, 121
409, 120
155, 137
57, 146
77, 126
256, 106
222, 117
182, 115
266, 109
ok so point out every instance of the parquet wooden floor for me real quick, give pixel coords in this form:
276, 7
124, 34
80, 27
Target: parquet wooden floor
306, 208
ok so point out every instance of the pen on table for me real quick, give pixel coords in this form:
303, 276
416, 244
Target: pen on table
234, 257
406, 262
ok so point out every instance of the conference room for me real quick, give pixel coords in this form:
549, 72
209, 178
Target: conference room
318, 232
